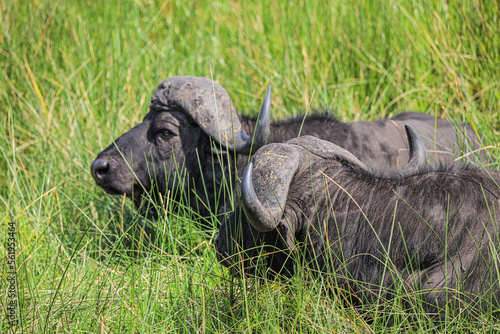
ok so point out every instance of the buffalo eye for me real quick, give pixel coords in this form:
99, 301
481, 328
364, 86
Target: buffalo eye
164, 134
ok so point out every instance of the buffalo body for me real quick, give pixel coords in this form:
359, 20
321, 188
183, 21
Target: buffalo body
432, 231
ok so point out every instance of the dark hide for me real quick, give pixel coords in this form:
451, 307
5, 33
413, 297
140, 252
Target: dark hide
169, 153
433, 231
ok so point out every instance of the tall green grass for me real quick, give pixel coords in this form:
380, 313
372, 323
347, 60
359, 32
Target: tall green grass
76, 74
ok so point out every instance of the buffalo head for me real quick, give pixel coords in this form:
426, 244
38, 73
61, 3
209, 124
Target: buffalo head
191, 121
267, 220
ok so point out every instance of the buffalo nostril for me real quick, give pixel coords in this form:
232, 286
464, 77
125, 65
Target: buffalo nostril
99, 169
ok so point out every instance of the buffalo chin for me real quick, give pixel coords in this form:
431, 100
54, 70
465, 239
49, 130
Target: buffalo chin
143, 205
114, 191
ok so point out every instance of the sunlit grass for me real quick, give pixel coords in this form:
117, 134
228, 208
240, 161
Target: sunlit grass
76, 74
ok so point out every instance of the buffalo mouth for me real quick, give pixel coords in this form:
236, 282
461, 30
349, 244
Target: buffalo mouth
113, 178
114, 191
114, 188
136, 196
143, 202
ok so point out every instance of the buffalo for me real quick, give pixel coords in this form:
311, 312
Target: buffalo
192, 146
431, 230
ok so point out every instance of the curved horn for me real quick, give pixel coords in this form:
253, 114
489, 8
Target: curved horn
418, 153
209, 105
260, 217
264, 192
261, 131
328, 150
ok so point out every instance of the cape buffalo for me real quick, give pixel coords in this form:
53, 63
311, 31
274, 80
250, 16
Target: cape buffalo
192, 145
429, 230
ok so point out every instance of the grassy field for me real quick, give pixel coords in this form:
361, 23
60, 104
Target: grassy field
76, 74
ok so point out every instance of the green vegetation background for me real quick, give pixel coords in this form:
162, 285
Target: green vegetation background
76, 74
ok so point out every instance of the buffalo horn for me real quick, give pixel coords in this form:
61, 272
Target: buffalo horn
418, 153
261, 131
208, 105
265, 190
328, 150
